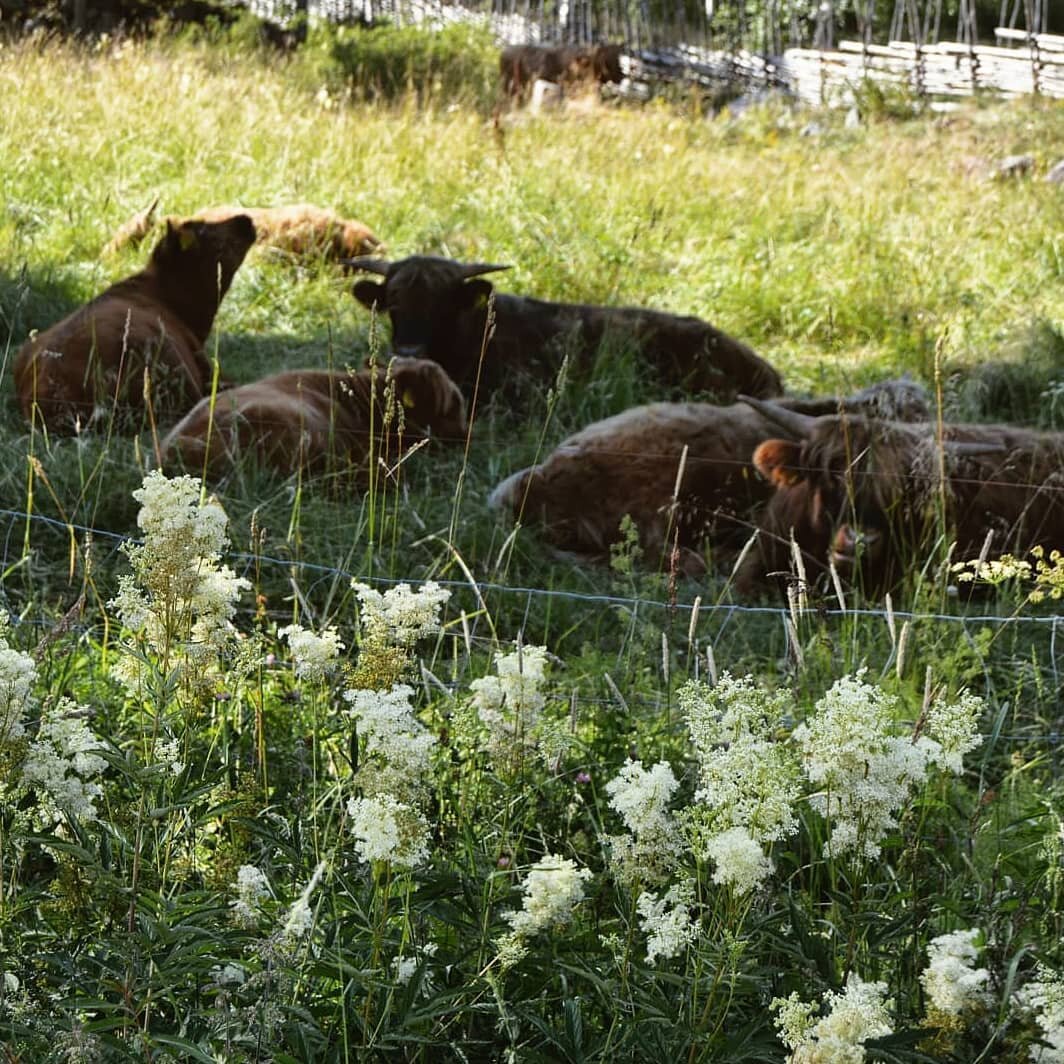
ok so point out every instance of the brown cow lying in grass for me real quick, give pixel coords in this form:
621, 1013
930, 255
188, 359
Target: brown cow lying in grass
438, 309
520, 65
301, 230
319, 421
89, 369
633, 464
876, 498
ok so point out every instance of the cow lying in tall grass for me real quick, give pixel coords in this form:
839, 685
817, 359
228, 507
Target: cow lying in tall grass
88, 370
634, 464
875, 498
301, 230
319, 421
439, 310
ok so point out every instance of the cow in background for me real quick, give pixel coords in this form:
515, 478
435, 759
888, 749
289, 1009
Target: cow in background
89, 369
319, 421
520, 65
439, 310
301, 230
873, 498
633, 464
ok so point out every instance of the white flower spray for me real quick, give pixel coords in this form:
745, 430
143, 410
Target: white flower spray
667, 921
251, 889
652, 847
951, 981
314, 655
1044, 998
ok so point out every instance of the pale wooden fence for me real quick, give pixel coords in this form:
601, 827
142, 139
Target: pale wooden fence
945, 69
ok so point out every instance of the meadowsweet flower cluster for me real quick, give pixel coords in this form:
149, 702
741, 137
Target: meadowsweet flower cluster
387, 820
400, 616
179, 600
856, 1015
252, 888
553, 887
314, 655
18, 672
748, 781
1044, 997
864, 773
509, 705
651, 849
952, 982
61, 764
667, 921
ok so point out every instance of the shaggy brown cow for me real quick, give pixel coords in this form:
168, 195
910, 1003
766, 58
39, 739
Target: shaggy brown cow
520, 65
875, 497
438, 309
302, 229
319, 420
90, 367
630, 465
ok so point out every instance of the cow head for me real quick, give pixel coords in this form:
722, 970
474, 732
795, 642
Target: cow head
195, 262
437, 307
606, 63
429, 398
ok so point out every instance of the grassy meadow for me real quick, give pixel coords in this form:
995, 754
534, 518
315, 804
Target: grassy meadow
415, 834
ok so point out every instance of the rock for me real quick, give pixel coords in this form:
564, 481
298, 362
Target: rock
1014, 166
853, 118
1056, 173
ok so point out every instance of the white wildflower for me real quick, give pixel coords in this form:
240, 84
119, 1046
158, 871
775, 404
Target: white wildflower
552, 889
1045, 998
952, 983
171, 515
951, 730
387, 829
300, 917
667, 922
405, 967
740, 862
252, 887
400, 616
167, 753
315, 655
17, 674
509, 704
61, 763
641, 796
747, 779
856, 1015
864, 775
223, 975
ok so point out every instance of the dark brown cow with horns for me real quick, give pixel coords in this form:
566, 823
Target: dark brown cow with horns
634, 464
89, 369
439, 310
320, 421
875, 497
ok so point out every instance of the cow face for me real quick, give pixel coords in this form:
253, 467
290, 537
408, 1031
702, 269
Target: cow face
429, 398
437, 308
840, 491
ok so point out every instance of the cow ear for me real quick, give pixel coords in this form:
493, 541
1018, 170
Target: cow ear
476, 293
779, 461
368, 293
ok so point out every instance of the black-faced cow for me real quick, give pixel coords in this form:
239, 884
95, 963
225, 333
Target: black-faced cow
439, 309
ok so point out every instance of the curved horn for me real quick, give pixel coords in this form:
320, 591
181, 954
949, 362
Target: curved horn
367, 263
798, 424
476, 269
971, 448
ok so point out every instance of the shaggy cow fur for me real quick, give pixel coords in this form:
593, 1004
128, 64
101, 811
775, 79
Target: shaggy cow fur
90, 367
439, 308
875, 498
302, 229
319, 421
632, 463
